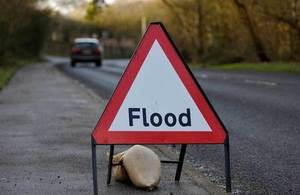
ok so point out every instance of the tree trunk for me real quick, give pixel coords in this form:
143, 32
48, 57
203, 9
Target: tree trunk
200, 48
259, 48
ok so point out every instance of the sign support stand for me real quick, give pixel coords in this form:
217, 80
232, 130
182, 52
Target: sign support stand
178, 170
227, 165
94, 165
180, 162
110, 163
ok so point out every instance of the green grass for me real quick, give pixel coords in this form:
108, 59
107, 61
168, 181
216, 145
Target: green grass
260, 67
9, 68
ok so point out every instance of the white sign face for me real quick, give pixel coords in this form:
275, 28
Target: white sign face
158, 100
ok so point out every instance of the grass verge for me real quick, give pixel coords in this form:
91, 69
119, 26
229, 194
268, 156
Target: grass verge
260, 67
10, 67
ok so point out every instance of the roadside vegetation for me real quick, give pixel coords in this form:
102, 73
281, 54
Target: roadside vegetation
6, 72
207, 32
233, 35
211, 31
260, 67
10, 67
23, 31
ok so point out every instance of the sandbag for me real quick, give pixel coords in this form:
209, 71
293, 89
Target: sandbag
142, 166
118, 171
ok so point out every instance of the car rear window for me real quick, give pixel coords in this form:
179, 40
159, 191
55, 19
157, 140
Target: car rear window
85, 45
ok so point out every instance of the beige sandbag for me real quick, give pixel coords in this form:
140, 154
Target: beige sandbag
142, 166
118, 170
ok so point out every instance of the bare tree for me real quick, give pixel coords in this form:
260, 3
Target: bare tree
194, 32
251, 25
286, 12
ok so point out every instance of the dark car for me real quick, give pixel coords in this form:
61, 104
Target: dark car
86, 50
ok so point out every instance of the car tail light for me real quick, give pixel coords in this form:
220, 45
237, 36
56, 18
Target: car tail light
97, 51
76, 50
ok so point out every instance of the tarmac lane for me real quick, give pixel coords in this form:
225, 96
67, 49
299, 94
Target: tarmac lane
46, 121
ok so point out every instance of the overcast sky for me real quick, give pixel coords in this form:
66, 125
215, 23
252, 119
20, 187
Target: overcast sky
65, 6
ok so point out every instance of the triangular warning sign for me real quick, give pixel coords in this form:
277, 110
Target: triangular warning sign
157, 100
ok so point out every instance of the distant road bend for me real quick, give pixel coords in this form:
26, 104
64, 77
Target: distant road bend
261, 112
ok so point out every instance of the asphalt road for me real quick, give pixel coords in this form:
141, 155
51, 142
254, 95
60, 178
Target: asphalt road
261, 112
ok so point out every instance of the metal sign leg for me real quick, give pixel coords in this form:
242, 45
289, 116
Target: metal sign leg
180, 162
111, 154
227, 165
94, 166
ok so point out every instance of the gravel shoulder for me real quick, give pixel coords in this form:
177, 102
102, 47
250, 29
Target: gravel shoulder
46, 119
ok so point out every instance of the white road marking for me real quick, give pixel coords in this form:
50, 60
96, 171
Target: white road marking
260, 82
203, 76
